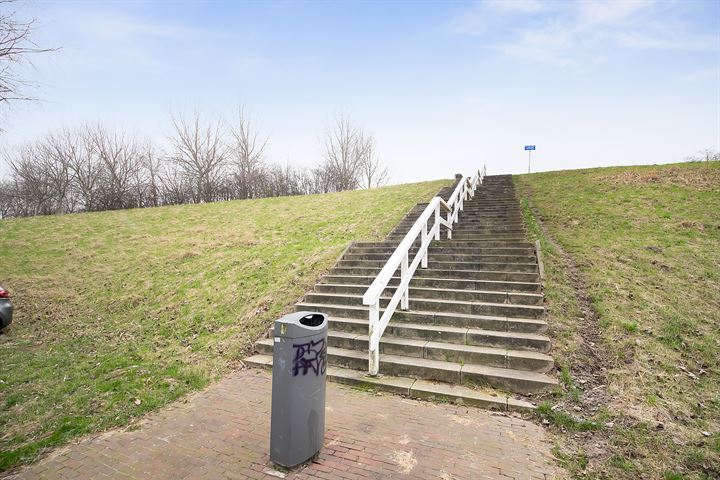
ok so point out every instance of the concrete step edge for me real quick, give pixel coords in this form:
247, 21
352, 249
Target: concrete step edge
434, 300
422, 344
421, 389
447, 290
363, 310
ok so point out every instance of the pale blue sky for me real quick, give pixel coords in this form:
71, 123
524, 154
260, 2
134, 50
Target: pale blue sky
443, 86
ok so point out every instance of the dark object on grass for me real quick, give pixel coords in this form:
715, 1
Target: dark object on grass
6, 308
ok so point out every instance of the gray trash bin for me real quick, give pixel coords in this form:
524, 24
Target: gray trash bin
297, 425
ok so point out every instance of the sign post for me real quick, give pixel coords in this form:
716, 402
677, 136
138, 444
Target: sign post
529, 149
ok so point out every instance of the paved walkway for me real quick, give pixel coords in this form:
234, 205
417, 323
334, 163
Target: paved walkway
223, 433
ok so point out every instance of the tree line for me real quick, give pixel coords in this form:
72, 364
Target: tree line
94, 168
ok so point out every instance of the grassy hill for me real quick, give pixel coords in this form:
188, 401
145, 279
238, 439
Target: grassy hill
119, 313
633, 288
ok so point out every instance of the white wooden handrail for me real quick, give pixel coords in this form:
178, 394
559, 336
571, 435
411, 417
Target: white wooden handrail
400, 258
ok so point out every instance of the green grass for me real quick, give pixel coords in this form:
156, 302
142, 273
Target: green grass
647, 242
119, 313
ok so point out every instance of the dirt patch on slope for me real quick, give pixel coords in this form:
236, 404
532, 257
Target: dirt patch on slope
590, 371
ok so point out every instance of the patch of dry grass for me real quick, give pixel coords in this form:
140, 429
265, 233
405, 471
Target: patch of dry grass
699, 177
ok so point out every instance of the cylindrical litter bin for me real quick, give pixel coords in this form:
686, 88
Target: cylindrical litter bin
297, 424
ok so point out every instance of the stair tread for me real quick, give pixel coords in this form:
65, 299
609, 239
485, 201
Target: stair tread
430, 269
454, 262
440, 290
425, 312
372, 278
449, 328
433, 300
448, 366
390, 339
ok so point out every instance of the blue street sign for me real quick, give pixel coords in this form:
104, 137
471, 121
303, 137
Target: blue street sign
529, 147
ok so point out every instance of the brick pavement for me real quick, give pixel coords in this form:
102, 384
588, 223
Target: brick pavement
223, 433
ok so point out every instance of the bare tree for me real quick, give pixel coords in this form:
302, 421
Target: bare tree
709, 155
175, 187
372, 172
246, 154
200, 153
10, 204
53, 161
121, 159
86, 166
151, 164
33, 185
705, 155
16, 46
343, 154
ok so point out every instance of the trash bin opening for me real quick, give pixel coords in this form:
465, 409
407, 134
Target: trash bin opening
312, 320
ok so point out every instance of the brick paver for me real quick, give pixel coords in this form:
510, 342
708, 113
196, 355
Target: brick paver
223, 433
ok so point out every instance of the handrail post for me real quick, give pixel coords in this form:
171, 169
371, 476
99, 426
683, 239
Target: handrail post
423, 261
450, 221
437, 222
374, 350
405, 300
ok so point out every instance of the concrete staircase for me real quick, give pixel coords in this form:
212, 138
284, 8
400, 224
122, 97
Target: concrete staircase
474, 331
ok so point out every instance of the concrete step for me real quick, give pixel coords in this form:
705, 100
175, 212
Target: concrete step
506, 332
458, 284
473, 218
446, 257
449, 265
485, 223
520, 232
486, 207
451, 372
453, 274
509, 237
413, 388
493, 237
445, 243
433, 250
466, 295
436, 305
482, 243
477, 217
497, 212
485, 230
482, 202
451, 352
470, 221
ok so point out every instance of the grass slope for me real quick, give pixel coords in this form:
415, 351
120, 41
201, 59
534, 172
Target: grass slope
119, 313
646, 241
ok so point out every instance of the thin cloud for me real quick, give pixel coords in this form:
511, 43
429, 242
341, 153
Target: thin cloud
118, 25
701, 75
518, 6
596, 12
578, 33
111, 38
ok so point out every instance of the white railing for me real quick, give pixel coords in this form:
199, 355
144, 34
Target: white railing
401, 259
